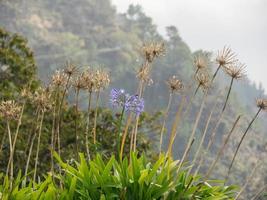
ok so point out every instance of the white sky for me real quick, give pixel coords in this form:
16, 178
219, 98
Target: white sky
212, 24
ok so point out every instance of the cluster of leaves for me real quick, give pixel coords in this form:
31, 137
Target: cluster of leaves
106, 179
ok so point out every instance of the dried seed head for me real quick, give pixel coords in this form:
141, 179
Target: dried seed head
200, 62
226, 57
9, 110
203, 80
78, 83
59, 79
144, 74
70, 69
262, 104
153, 50
26, 93
102, 80
89, 80
175, 84
236, 70
42, 98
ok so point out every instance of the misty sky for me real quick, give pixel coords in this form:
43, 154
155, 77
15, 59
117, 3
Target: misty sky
211, 24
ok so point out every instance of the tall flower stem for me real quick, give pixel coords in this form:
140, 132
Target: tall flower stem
191, 138
215, 74
164, 121
95, 117
60, 114
228, 94
241, 141
76, 121
32, 143
175, 125
87, 126
204, 135
141, 90
10, 150
220, 152
248, 180
38, 145
128, 122
53, 130
119, 133
11, 158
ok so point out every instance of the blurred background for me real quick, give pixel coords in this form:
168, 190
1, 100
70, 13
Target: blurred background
110, 33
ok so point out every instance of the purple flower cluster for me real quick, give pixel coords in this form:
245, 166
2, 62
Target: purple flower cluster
131, 103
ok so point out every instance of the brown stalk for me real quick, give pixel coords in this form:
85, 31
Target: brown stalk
220, 152
248, 180
129, 120
10, 162
76, 121
241, 141
32, 143
164, 121
38, 145
87, 126
188, 146
204, 135
95, 117
10, 149
175, 126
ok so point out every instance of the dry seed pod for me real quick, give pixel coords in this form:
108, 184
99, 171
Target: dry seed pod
262, 104
70, 69
59, 79
236, 70
10, 110
153, 50
144, 74
175, 84
226, 57
203, 80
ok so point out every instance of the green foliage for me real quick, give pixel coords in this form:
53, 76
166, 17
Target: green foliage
17, 64
134, 178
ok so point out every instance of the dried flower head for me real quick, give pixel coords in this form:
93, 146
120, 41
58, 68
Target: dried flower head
70, 69
59, 79
9, 110
26, 93
262, 104
226, 57
200, 61
144, 74
175, 84
236, 70
153, 50
42, 98
102, 79
89, 80
79, 83
203, 80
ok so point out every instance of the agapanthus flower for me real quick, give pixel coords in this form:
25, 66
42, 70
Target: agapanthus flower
131, 103
135, 104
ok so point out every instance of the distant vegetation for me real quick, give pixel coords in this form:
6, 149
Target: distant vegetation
95, 35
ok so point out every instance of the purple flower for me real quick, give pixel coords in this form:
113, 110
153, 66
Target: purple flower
135, 104
131, 103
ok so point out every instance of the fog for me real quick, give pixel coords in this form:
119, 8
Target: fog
211, 24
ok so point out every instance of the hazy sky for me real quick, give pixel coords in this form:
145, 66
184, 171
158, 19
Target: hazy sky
211, 24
